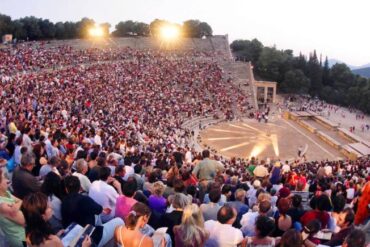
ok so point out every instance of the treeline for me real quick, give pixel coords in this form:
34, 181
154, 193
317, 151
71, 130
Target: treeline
32, 28
302, 75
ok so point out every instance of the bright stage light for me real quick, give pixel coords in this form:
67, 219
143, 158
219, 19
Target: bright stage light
170, 32
257, 150
96, 31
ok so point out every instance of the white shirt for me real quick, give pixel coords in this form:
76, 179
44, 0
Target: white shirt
84, 181
129, 171
224, 235
188, 157
105, 195
285, 168
247, 222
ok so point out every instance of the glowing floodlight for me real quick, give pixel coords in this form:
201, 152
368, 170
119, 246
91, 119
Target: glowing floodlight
170, 32
96, 31
257, 150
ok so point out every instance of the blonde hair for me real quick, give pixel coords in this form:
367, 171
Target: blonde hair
192, 225
158, 188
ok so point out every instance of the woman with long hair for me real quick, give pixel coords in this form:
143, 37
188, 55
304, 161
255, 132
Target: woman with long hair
52, 188
191, 232
37, 212
129, 235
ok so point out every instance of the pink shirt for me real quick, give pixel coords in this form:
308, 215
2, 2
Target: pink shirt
124, 205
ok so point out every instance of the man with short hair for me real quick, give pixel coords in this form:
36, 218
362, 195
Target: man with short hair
248, 219
50, 167
82, 209
104, 194
239, 205
211, 209
81, 170
23, 182
207, 169
221, 232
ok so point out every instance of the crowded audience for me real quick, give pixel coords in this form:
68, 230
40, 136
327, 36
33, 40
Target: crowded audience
94, 137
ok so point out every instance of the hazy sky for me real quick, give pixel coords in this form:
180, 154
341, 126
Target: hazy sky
338, 29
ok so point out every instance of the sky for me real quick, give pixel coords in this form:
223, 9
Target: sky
337, 29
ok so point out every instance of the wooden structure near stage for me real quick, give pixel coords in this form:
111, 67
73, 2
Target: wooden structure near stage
356, 148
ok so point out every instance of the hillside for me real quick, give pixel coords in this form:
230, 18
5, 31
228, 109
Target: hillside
364, 72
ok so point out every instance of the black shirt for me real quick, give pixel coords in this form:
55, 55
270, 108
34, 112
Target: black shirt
24, 183
81, 210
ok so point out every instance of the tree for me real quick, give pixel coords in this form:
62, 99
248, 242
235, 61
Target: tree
19, 32
47, 29
141, 29
71, 30
314, 72
124, 28
5, 25
83, 27
247, 50
205, 29
31, 26
269, 63
105, 26
155, 27
295, 82
190, 29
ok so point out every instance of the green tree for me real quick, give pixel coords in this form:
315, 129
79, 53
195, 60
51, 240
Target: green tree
247, 50
314, 72
19, 32
31, 26
295, 81
124, 28
5, 25
141, 29
190, 29
205, 29
47, 29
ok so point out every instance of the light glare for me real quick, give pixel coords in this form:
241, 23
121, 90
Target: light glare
96, 31
170, 32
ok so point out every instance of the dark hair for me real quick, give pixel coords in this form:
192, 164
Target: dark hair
93, 155
105, 172
283, 206
356, 238
339, 202
119, 169
312, 226
205, 153
81, 154
153, 177
323, 203
214, 195
178, 185
296, 201
138, 210
225, 213
72, 184
226, 188
350, 215
264, 206
129, 187
192, 190
33, 207
52, 185
291, 238
137, 169
264, 226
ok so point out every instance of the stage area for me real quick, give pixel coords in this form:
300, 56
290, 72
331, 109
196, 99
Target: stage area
279, 138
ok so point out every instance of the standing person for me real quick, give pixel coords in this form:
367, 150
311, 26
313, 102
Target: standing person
207, 169
191, 232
